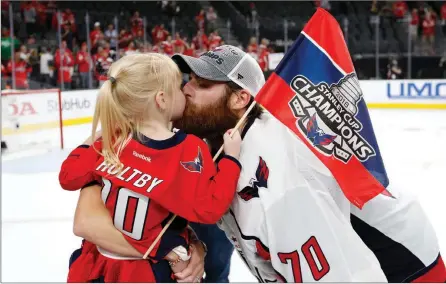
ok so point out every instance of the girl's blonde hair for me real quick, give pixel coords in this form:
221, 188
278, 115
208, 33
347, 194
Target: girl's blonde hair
125, 100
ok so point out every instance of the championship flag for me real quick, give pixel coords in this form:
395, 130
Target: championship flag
314, 91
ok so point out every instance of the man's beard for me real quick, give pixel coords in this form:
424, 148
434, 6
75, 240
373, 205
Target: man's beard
209, 122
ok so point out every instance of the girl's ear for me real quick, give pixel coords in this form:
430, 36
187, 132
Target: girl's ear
160, 100
239, 100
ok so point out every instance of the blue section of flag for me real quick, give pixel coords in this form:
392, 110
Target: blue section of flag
374, 165
305, 58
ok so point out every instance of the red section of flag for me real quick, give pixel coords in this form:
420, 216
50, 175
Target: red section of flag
275, 96
325, 31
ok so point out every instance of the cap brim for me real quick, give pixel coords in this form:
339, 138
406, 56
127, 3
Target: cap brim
201, 68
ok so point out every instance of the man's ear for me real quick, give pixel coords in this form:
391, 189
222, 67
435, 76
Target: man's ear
239, 100
160, 100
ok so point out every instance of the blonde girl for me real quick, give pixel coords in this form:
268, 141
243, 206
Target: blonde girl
147, 172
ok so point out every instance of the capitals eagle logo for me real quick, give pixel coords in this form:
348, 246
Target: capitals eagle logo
196, 165
261, 180
317, 135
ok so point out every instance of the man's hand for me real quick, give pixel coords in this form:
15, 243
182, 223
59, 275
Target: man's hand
195, 270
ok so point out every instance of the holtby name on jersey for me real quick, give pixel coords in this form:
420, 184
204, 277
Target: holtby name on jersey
326, 116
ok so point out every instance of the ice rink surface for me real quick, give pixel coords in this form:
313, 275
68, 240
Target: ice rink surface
37, 214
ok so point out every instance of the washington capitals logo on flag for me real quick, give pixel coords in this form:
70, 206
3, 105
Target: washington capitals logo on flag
314, 92
316, 134
326, 115
261, 180
196, 165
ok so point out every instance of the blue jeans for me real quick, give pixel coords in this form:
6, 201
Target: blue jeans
218, 259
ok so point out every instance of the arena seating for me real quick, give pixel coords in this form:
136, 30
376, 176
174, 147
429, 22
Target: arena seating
355, 18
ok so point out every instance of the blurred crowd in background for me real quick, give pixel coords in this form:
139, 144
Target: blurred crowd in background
71, 45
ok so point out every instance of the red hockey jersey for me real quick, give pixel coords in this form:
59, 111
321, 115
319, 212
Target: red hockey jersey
160, 170
176, 175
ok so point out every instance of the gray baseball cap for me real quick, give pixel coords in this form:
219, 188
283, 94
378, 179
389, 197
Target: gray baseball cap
225, 63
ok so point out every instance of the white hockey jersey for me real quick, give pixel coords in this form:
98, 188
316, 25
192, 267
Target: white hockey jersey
290, 220
399, 233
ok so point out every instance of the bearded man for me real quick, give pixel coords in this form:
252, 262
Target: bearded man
289, 220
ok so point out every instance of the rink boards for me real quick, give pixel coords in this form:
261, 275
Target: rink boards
39, 110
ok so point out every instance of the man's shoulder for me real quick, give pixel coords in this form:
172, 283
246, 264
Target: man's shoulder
267, 130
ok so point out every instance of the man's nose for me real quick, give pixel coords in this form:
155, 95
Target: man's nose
188, 90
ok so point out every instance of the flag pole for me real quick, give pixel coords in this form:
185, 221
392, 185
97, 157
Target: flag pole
237, 126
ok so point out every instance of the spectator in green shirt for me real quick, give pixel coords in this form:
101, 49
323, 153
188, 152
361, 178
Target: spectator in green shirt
6, 46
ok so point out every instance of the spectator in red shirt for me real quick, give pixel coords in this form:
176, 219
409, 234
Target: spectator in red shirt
199, 19
214, 40
399, 9
96, 36
4, 73
136, 29
443, 17
252, 47
84, 64
190, 50
429, 31
136, 23
64, 62
29, 16
156, 48
21, 71
139, 39
167, 46
65, 17
264, 43
154, 32
159, 33
136, 20
41, 14
4, 77
414, 24
103, 63
50, 10
5, 6
201, 41
95, 56
263, 54
124, 38
179, 44
55, 20
5, 13
68, 18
